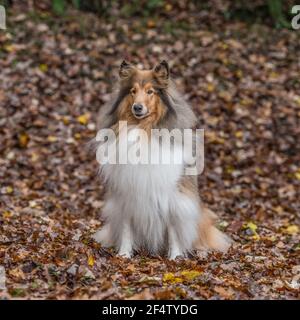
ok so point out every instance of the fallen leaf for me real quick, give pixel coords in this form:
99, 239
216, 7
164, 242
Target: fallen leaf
251, 233
190, 274
170, 277
43, 67
292, 229
91, 260
52, 138
23, 140
9, 189
83, 119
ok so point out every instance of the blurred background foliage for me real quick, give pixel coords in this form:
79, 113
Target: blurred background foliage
278, 12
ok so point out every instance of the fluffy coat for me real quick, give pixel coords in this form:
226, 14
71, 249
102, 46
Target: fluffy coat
155, 207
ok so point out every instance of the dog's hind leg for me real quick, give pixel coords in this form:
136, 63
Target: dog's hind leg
103, 236
182, 227
106, 236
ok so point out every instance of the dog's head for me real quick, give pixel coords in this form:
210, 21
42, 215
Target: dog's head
143, 95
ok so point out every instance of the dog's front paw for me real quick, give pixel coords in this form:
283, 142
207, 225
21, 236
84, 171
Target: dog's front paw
175, 253
125, 254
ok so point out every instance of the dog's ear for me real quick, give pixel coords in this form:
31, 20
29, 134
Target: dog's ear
125, 70
162, 71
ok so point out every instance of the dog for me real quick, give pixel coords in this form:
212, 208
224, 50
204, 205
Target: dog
152, 207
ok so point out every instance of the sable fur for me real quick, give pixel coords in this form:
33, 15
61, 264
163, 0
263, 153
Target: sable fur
156, 208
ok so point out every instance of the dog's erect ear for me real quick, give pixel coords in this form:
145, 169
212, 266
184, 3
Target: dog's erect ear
125, 70
162, 71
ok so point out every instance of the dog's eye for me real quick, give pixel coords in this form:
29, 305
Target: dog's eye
133, 91
150, 91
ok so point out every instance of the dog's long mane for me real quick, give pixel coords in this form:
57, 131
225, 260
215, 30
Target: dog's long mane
179, 114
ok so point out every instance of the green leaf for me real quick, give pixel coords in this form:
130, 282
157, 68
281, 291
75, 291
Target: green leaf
58, 6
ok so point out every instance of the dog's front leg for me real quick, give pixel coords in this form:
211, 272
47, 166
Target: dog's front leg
174, 246
126, 241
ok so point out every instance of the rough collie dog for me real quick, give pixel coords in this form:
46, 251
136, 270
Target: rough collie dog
152, 206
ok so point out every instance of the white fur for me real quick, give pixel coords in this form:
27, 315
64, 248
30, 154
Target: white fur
145, 209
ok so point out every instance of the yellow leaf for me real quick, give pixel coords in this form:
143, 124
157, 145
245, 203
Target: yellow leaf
43, 67
77, 135
190, 274
185, 275
239, 134
170, 277
83, 119
65, 120
245, 102
210, 87
9, 48
292, 229
255, 237
297, 175
258, 170
23, 140
229, 169
91, 260
7, 214
239, 73
52, 138
253, 227
250, 225
9, 189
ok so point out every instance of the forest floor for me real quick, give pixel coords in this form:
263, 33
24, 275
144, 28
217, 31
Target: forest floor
243, 82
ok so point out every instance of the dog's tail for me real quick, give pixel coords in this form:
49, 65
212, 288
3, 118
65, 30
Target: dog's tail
209, 237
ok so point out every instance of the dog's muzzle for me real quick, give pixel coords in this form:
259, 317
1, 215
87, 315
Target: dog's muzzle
139, 110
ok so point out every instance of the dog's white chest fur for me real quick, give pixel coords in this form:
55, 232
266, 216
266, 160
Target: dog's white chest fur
143, 202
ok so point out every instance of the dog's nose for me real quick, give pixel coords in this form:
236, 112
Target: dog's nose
138, 108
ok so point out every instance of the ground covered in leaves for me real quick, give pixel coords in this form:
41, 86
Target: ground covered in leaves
242, 80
